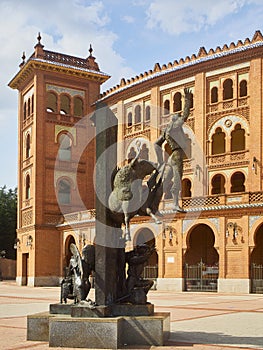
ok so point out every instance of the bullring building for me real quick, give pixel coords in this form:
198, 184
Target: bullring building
217, 245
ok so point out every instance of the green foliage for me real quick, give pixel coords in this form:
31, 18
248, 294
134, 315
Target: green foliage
8, 221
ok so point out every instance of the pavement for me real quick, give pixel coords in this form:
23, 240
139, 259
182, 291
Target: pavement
198, 320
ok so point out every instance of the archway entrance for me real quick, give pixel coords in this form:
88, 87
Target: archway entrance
201, 260
146, 236
256, 263
70, 239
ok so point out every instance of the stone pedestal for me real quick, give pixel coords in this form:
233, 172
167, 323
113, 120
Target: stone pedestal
82, 310
104, 333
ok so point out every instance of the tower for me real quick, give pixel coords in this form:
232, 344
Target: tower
55, 157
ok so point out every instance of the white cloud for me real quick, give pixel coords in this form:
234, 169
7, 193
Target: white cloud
128, 19
176, 17
66, 26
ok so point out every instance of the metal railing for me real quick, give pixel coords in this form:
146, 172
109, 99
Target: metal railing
256, 279
200, 278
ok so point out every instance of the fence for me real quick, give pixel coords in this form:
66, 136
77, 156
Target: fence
200, 278
256, 278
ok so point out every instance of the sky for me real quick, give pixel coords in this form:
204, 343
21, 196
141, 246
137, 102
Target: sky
128, 38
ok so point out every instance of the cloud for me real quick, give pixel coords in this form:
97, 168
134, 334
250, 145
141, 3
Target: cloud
128, 19
176, 17
65, 26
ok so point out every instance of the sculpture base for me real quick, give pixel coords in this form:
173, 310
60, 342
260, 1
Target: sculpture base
82, 310
103, 333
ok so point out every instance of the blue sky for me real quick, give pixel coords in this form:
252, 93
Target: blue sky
128, 38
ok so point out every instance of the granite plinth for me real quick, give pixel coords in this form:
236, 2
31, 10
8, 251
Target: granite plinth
103, 333
62, 309
82, 310
38, 326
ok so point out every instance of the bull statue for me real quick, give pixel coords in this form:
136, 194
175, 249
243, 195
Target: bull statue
131, 195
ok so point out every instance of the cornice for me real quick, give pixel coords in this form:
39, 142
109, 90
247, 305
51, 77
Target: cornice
40, 64
203, 62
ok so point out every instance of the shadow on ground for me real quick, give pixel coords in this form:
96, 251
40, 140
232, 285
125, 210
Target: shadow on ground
216, 339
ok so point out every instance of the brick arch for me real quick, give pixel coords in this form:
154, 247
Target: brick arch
214, 226
142, 140
227, 124
201, 245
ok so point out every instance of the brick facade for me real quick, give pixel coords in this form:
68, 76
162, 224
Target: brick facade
222, 179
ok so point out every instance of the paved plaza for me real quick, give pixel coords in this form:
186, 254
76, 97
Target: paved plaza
198, 320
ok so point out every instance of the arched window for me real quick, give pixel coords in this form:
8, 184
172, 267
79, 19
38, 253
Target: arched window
129, 117
132, 154
24, 110
28, 107
218, 184
238, 141
27, 187
237, 182
78, 107
218, 142
191, 101
147, 113
51, 102
138, 116
243, 88
64, 191
28, 146
64, 104
144, 154
227, 89
65, 144
177, 102
32, 104
166, 107
186, 188
214, 94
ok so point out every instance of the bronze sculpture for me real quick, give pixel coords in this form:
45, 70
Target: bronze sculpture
76, 284
174, 135
130, 196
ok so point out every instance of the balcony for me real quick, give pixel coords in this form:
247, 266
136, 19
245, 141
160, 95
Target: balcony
227, 159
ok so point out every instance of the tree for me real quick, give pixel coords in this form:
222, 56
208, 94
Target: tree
8, 221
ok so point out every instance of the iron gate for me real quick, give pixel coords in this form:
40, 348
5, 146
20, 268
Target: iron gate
200, 278
256, 278
150, 272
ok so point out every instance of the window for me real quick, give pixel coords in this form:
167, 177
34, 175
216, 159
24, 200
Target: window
129, 119
64, 191
144, 154
51, 102
166, 107
65, 144
78, 107
24, 110
64, 104
28, 145
218, 184
238, 139
243, 88
32, 104
218, 142
214, 94
131, 155
186, 188
147, 113
27, 187
138, 117
227, 89
28, 107
237, 182
177, 102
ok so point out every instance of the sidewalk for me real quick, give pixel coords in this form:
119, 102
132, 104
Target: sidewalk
198, 320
